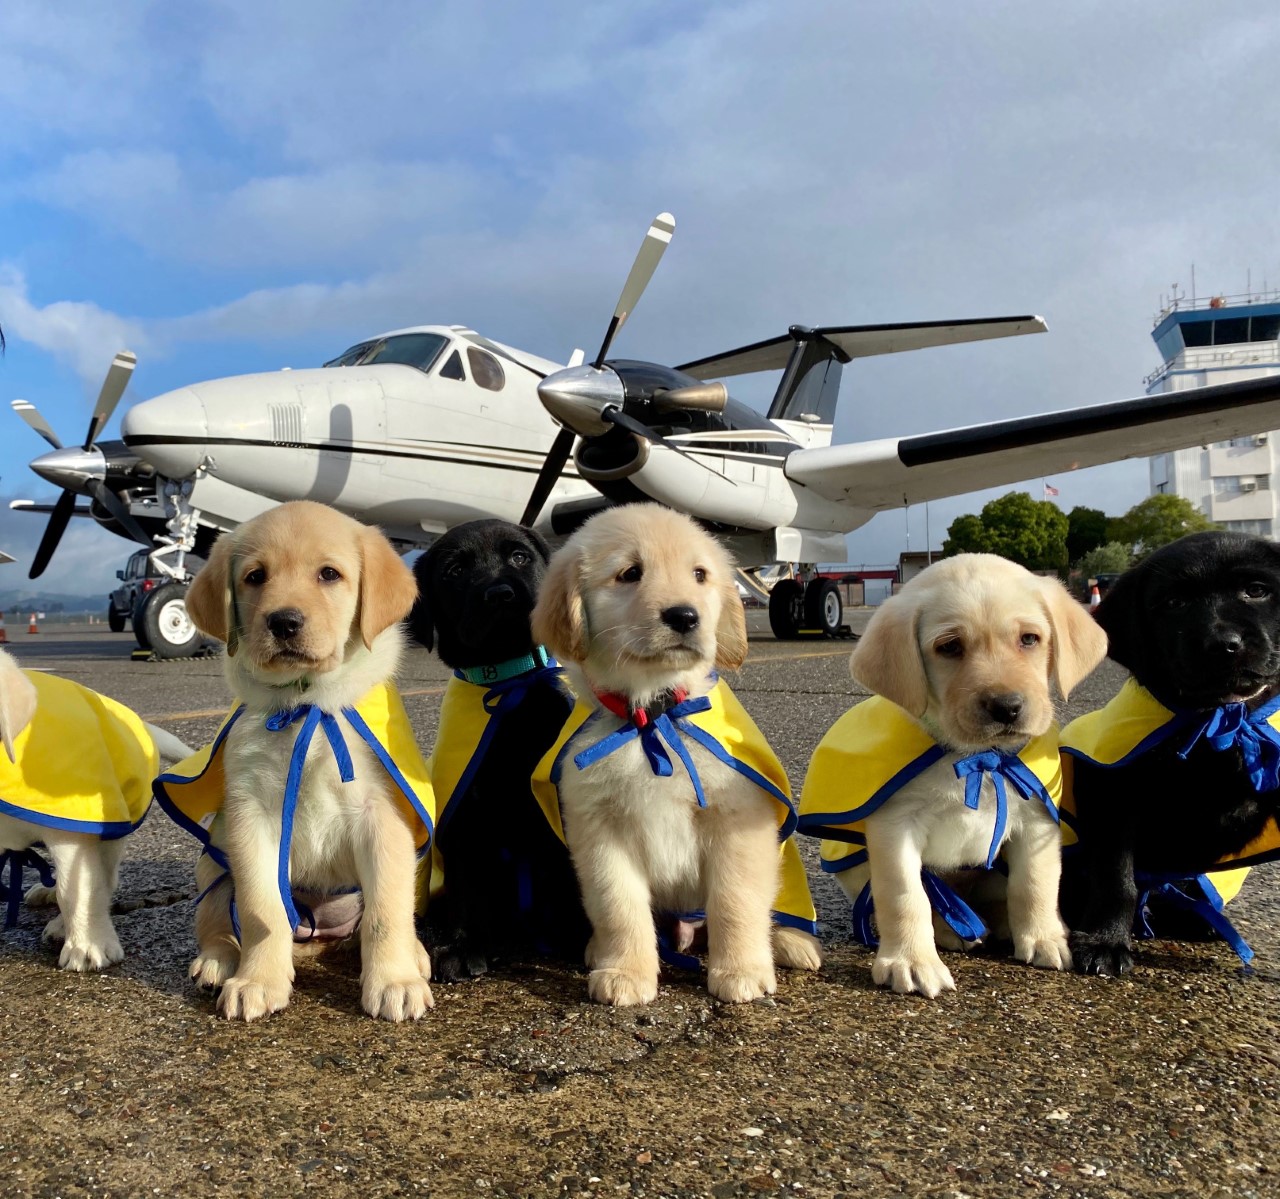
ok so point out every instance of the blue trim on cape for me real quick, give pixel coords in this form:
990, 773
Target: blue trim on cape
814, 824
171, 810
107, 830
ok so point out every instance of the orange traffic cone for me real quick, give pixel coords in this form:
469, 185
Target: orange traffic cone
1095, 597
33, 627
4, 637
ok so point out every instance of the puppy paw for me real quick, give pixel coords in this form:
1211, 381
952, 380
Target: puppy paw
82, 956
946, 937
252, 998
741, 986
924, 975
1094, 953
796, 949
423, 960
211, 968
402, 999
41, 896
1047, 949
622, 988
55, 932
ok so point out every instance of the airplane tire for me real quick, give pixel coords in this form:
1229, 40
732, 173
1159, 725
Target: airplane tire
115, 620
163, 617
786, 604
823, 607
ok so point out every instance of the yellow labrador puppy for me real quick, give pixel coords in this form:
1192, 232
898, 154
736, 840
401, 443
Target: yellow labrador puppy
671, 799
953, 761
309, 603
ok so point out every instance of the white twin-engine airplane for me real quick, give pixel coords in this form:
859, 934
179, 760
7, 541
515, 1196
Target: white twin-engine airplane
422, 428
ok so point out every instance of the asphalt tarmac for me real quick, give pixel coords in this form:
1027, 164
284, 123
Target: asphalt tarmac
1022, 1082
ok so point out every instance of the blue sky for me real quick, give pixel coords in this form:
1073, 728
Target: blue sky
232, 186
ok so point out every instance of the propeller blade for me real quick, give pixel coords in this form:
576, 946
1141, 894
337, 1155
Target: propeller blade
27, 410
616, 416
112, 389
557, 456
651, 251
53, 533
117, 507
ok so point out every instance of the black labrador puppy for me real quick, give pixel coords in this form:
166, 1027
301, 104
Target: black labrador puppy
509, 886
1197, 624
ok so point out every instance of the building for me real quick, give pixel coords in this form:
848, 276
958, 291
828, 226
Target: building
1221, 340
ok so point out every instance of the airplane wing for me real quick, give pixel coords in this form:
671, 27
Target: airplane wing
6, 558
875, 475
863, 341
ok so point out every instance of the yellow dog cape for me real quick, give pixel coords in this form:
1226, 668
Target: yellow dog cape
84, 764
192, 793
869, 755
1135, 722
723, 728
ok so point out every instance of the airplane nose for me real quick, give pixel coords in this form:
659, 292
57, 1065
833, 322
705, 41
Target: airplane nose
71, 468
169, 431
577, 395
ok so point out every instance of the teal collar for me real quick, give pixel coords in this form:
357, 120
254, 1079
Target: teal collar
499, 672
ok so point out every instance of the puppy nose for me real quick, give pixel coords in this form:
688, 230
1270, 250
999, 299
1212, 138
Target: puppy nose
1227, 641
682, 618
285, 623
499, 594
1003, 708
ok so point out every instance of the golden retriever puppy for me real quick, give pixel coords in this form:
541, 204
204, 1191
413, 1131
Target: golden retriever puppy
952, 761
75, 778
314, 786
671, 799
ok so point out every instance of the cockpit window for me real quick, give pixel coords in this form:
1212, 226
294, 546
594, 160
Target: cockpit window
453, 368
485, 369
405, 349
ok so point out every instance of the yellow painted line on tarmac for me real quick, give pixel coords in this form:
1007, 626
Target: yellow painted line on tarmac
827, 653
203, 713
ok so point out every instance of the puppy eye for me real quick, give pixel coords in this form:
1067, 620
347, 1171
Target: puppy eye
329, 574
633, 574
699, 575
256, 577
950, 649
1257, 591
519, 558
1029, 640
1174, 601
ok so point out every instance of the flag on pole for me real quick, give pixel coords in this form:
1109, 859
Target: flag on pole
1050, 492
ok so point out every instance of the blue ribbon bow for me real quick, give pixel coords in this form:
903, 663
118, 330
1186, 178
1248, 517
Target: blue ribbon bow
665, 728
14, 860
311, 717
1000, 767
1235, 726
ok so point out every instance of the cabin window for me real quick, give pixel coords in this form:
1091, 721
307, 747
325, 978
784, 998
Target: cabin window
419, 350
452, 369
486, 370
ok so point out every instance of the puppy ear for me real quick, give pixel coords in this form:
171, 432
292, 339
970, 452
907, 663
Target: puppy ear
211, 598
559, 620
1121, 616
387, 585
17, 702
1079, 643
731, 632
422, 624
539, 543
887, 658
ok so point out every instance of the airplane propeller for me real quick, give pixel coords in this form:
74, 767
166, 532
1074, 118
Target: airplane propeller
588, 400
82, 469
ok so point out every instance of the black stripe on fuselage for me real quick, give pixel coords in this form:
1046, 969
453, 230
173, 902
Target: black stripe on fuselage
1102, 418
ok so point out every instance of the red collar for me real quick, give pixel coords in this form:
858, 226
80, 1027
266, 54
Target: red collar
620, 705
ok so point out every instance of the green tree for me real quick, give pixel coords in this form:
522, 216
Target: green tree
1156, 521
966, 535
1030, 532
1110, 559
1086, 530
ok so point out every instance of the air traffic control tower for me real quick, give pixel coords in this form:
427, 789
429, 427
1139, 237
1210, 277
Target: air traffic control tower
1224, 339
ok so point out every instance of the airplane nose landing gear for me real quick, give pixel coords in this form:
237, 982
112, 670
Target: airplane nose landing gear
812, 608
